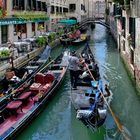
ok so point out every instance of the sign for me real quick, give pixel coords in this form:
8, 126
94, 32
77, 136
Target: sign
19, 21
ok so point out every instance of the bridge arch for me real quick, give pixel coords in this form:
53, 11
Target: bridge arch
92, 20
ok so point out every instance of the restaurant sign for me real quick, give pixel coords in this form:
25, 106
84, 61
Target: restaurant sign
18, 21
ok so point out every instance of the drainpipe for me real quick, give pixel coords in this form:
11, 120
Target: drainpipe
88, 8
25, 5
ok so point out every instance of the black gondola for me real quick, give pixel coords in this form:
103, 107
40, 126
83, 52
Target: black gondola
29, 102
82, 39
87, 98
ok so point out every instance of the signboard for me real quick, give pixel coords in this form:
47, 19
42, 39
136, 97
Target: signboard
18, 21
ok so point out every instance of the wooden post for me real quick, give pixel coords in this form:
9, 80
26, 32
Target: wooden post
11, 53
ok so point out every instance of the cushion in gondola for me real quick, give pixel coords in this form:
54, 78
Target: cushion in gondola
35, 86
49, 77
46, 87
39, 78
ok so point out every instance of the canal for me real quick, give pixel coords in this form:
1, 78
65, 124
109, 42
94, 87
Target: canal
58, 122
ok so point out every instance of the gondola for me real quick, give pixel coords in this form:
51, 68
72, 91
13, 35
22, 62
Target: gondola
80, 40
87, 99
67, 39
21, 75
64, 40
29, 101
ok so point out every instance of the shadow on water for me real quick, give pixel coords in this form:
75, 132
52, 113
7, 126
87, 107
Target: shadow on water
58, 122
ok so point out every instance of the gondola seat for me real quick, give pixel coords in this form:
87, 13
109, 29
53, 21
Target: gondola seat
39, 78
25, 96
49, 77
42, 82
44, 78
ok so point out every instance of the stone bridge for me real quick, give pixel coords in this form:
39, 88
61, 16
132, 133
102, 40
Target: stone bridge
93, 20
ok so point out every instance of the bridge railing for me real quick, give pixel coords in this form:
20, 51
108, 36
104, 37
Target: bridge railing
92, 20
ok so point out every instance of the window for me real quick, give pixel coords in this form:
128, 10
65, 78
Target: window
44, 6
34, 4
52, 9
39, 5
15, 4
21, 5
60, 9
5, 4
65, 10
29, 5
82, 7
72, 7
21, 28
33, 27
4, 33
57, 9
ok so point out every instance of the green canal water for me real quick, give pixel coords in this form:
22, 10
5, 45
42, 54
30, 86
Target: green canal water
58, 122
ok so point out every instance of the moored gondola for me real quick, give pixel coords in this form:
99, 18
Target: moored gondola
28, 102
80, 40
87, 98
14, 77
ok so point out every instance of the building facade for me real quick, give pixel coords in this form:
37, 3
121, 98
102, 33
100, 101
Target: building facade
57, 10
28, 18
77, 9
126, 18
22, 19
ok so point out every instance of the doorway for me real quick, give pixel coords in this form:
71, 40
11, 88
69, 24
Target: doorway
4, 34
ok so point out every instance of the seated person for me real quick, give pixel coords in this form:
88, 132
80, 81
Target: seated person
10, 79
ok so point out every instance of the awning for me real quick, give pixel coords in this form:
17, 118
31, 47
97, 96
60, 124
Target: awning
67, 21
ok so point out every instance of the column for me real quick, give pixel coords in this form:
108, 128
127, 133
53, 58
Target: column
11, 32
29, 30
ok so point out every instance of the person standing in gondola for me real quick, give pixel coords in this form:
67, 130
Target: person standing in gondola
74, 69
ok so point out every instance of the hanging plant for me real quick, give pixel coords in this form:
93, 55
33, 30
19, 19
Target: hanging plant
30, 15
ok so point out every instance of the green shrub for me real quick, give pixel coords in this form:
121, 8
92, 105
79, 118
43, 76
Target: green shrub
4, 53
51, 37
41, 40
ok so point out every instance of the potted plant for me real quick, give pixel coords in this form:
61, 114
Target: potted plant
41, 40
51, 37
4, 54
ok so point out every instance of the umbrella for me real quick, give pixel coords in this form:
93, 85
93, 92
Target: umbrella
67, 21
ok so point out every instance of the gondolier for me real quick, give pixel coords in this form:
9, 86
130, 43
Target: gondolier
73, 67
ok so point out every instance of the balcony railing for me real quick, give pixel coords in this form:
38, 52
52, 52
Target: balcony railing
26, 15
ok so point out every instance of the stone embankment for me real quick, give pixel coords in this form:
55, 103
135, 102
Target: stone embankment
25, 57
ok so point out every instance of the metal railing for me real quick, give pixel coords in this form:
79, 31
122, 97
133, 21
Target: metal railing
93, 20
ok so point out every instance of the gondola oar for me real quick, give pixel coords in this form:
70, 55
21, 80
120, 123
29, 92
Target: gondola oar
112, 113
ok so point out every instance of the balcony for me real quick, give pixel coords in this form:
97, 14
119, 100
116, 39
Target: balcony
30, 15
